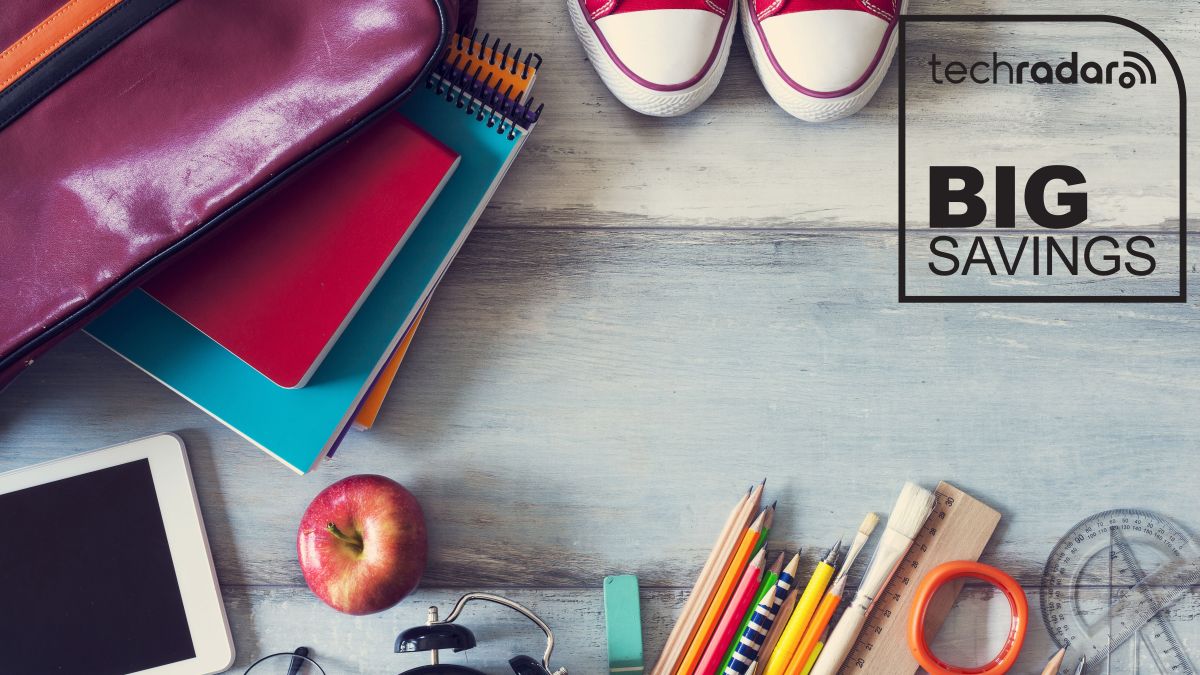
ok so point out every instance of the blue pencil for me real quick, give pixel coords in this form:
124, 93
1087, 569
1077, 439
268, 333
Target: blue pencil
760, 622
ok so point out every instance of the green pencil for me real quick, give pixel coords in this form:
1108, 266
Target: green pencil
768, 518
767, 586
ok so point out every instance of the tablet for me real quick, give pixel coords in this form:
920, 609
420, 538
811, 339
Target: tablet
106, 568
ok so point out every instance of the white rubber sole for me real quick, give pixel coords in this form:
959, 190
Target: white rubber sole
801, 105
643, 99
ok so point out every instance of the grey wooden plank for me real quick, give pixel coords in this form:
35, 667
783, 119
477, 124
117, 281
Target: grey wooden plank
580, 403
739, 161
269, 620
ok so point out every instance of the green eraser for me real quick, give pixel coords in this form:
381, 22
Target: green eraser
623, 624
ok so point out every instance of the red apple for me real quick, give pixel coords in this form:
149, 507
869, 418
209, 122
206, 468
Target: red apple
362, 544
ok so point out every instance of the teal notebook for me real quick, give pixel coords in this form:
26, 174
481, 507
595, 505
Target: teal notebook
300, 426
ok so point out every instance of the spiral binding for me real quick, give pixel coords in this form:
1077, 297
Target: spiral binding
462, 82
512, 63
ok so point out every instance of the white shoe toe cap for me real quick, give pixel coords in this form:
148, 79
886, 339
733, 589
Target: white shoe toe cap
663, 47
825, 50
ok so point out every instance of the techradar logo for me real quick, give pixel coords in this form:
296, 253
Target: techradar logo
1069, 191
1135, 69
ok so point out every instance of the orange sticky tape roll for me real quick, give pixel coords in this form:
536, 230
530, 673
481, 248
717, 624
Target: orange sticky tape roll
951, 571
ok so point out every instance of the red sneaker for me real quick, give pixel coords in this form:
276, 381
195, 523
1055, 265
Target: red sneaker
659, 57
821, 60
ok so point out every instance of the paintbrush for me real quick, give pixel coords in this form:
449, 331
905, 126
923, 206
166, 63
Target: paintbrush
908, 515
869, 522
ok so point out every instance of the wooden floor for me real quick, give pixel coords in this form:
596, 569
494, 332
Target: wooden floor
652, 315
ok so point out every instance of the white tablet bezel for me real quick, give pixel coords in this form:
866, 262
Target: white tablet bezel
194, 570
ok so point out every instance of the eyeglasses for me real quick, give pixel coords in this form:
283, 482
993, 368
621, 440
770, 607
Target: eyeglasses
286, 663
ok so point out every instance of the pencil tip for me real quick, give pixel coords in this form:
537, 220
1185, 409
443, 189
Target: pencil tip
774, 504
835, 552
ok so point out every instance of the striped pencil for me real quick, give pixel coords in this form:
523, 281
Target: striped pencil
782, 615
710, 660
751, 640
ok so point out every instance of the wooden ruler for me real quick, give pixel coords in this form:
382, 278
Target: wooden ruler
957, 529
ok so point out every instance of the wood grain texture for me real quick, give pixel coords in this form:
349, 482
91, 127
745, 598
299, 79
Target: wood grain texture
585, 402
654, 315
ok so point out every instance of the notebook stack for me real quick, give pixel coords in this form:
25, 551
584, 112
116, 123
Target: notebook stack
289, 325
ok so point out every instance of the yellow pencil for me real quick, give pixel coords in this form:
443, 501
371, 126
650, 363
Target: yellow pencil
733, 572
781, 658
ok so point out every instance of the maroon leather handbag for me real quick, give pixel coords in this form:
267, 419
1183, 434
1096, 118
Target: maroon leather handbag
129, 129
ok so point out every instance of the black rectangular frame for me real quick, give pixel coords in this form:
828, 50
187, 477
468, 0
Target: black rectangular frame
1181, 297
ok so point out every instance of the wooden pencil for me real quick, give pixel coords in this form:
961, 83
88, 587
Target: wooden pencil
1055, 662
670, 654
720, 599
705, 584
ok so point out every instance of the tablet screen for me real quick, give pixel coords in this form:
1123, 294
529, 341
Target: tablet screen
89, 584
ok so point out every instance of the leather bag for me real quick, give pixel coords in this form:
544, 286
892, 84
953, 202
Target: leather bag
130, 129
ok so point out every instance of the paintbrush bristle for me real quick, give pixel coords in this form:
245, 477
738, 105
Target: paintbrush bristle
868, 524
911, 510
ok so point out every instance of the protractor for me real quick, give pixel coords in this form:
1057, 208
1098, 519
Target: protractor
1106, 584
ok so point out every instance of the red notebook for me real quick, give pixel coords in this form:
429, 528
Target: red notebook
277, 287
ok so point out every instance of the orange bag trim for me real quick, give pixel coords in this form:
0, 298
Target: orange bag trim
65, 23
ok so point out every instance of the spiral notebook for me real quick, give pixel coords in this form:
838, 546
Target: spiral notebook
486, 61
300, 426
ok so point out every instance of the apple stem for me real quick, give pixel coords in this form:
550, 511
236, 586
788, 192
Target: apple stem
355, 541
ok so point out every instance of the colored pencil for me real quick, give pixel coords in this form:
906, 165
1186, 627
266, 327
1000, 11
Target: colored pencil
704, 587
833, 598
752, 636
665, 662
720, 599
812, 634
768, 520
726, 629
806, 606
812, 659
767, 585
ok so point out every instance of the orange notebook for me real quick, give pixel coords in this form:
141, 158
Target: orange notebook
369, 411
277, 287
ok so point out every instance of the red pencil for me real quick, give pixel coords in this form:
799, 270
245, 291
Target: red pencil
738, 604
